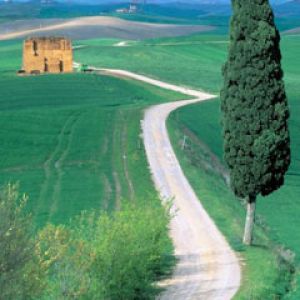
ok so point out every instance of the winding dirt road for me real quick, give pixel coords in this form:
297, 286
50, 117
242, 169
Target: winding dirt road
207, 267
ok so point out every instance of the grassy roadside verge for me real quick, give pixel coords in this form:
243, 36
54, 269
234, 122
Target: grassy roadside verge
265, 275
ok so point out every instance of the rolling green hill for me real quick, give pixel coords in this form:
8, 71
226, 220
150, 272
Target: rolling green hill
193, 61
73, 141
216, 15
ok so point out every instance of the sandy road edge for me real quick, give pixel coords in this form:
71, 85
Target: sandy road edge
207, 267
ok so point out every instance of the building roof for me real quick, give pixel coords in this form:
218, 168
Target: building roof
47, 38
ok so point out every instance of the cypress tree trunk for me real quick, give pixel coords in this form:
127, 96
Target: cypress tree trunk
250, 219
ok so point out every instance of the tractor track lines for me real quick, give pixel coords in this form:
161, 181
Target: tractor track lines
53, 165
59, 163
125, 162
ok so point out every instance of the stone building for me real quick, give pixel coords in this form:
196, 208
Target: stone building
47, 55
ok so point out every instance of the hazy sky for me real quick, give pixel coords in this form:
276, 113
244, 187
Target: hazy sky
166, 1
155, 1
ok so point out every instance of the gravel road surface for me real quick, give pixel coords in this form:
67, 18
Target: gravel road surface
207, 267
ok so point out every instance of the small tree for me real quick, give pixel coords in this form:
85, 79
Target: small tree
254, 106
20, 275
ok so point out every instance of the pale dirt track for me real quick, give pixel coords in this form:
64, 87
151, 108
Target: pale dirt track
95, 27
207, 267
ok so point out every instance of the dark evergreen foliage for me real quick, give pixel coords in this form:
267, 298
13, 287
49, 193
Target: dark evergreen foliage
254, 103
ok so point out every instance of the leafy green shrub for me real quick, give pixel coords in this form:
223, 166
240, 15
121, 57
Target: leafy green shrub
21, 276
98, 256
117, 256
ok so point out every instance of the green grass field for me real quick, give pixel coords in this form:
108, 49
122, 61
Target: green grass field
196, 61
199, 58
73, 141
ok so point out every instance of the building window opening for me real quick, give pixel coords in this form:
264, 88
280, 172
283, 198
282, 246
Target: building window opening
46, 66
35, 48
61, 66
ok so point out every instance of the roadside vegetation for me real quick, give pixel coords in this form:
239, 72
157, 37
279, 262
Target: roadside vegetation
20, 274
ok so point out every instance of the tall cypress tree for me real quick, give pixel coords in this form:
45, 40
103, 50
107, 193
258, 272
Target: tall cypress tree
254, 106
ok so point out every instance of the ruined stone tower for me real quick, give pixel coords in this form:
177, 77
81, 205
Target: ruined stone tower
47, 55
